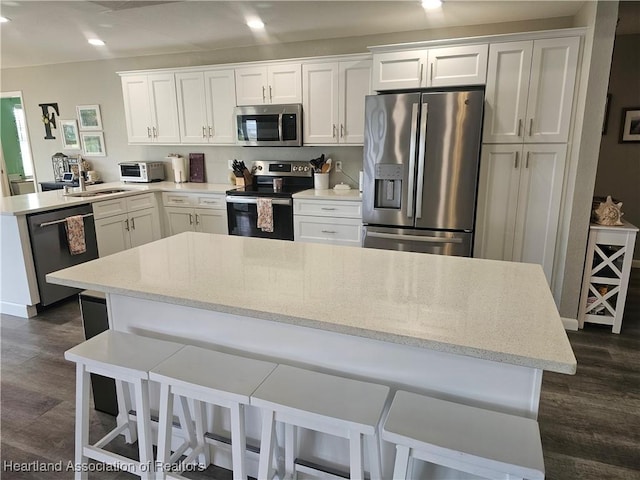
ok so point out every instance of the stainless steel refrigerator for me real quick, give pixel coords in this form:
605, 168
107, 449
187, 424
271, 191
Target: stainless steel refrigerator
421, 161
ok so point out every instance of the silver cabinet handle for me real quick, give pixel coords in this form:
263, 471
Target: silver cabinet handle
126, 224
149, 132
155, 132
204, 131
341, 130
526, 165
270, 94
264, 97
210, 131
197, 219
133, 223
516, 162
327, 208
421, 71
531, 127
329, 231
190, 219
519, 127
430, 73
334, 130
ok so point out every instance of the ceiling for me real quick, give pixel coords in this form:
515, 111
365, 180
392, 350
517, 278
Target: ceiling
52, 32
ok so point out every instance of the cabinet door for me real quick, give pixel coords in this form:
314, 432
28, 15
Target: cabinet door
179, 220
497, 201
211, 221
320, 103
506, 92
251, 85
137, 109
539, 198
553, 76
335, 231
144, 226
192, 108
284, 83
220, 91
112, 234
398, 70
354, 83
452, 66
164, 108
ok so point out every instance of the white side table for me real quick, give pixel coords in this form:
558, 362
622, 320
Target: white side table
606, 274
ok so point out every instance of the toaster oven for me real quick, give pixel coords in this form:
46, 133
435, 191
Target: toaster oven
141, 172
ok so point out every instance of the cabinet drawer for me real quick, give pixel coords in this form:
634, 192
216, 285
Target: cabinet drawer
171, 199
328, 208
338, 231
140, 202
217, 202
108, 208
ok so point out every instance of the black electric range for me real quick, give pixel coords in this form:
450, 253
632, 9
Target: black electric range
271, 179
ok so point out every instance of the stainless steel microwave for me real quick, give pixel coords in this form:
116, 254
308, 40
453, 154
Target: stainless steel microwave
142, 172
269, 125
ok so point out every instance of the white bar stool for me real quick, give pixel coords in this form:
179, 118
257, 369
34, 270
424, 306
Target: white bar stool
470, 439
206, 376
324, 403
127, 358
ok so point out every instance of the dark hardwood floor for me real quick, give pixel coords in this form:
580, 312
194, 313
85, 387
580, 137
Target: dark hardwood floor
590, 422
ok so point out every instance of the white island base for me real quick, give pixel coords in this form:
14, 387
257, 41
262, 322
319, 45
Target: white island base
497, 386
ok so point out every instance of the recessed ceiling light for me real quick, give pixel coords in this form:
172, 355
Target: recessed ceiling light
96, 41
4, 19
431, 4
255, 24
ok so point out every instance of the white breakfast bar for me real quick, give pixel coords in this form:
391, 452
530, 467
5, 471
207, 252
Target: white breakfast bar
474, 331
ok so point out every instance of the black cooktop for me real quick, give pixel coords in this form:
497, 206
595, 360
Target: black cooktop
267, 191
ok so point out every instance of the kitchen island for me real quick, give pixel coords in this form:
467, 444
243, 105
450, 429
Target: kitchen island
475, 331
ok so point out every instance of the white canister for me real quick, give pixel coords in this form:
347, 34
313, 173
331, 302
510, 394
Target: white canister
321, 181
179, 165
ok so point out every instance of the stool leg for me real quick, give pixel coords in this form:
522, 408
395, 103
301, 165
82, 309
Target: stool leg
266, 445
238, 441
165, 426
374, 457
82, 418
144, 428
123, 394
290, 443
186, 424
199, 412
401, 466
355, 453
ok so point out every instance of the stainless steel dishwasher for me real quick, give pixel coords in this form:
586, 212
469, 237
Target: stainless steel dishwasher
51, 249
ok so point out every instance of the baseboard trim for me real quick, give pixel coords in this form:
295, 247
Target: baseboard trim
24, 311
570, 324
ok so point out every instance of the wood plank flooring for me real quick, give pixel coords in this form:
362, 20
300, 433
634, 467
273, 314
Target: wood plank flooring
590, 422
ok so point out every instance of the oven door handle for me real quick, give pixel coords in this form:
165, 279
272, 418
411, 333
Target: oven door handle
254, 200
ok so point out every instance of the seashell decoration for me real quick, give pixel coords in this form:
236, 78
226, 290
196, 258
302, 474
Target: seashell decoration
608, 213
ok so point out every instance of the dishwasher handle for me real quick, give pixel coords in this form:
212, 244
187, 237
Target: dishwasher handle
64, 220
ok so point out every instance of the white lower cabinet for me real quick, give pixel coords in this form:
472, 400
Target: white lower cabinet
337, 222
519, 200
205, 213
126, 222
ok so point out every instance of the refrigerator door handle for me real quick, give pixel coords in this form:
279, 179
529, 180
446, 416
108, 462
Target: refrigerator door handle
414, 238
421, 159
412, 159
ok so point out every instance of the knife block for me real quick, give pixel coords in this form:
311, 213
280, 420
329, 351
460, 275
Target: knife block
245, 180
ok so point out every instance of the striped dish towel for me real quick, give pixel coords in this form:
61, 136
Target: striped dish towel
265, 215
75, 234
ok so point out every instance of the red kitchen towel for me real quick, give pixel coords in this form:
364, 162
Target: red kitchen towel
75, 234
265, 214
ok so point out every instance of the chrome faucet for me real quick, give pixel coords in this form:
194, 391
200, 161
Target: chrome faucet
81, 183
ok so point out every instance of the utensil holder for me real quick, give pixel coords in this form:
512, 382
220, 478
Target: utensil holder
321, 181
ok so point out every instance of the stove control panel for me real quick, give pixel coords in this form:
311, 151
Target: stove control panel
281, 169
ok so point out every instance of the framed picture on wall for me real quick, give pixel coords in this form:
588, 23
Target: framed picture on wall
630, 125
70, 138
89, 117
93, 144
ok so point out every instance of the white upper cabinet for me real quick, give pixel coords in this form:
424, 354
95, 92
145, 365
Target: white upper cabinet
205, 106
519, 196
268, 84
151, 108
433, 67
333, 101
529, 91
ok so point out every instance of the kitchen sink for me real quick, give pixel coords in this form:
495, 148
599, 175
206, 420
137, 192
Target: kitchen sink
97, 193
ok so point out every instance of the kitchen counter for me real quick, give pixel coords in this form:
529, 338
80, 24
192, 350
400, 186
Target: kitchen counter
331, 194
498, 311
51, 200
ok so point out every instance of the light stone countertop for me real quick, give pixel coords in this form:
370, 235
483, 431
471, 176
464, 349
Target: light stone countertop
53, 199
331, 194
499, 311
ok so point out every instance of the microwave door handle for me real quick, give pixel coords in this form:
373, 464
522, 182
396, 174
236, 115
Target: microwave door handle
414, 238
412, 158
421, 159
254, 200
280, 127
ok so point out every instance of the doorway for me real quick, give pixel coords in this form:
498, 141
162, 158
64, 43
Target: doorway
18, 175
